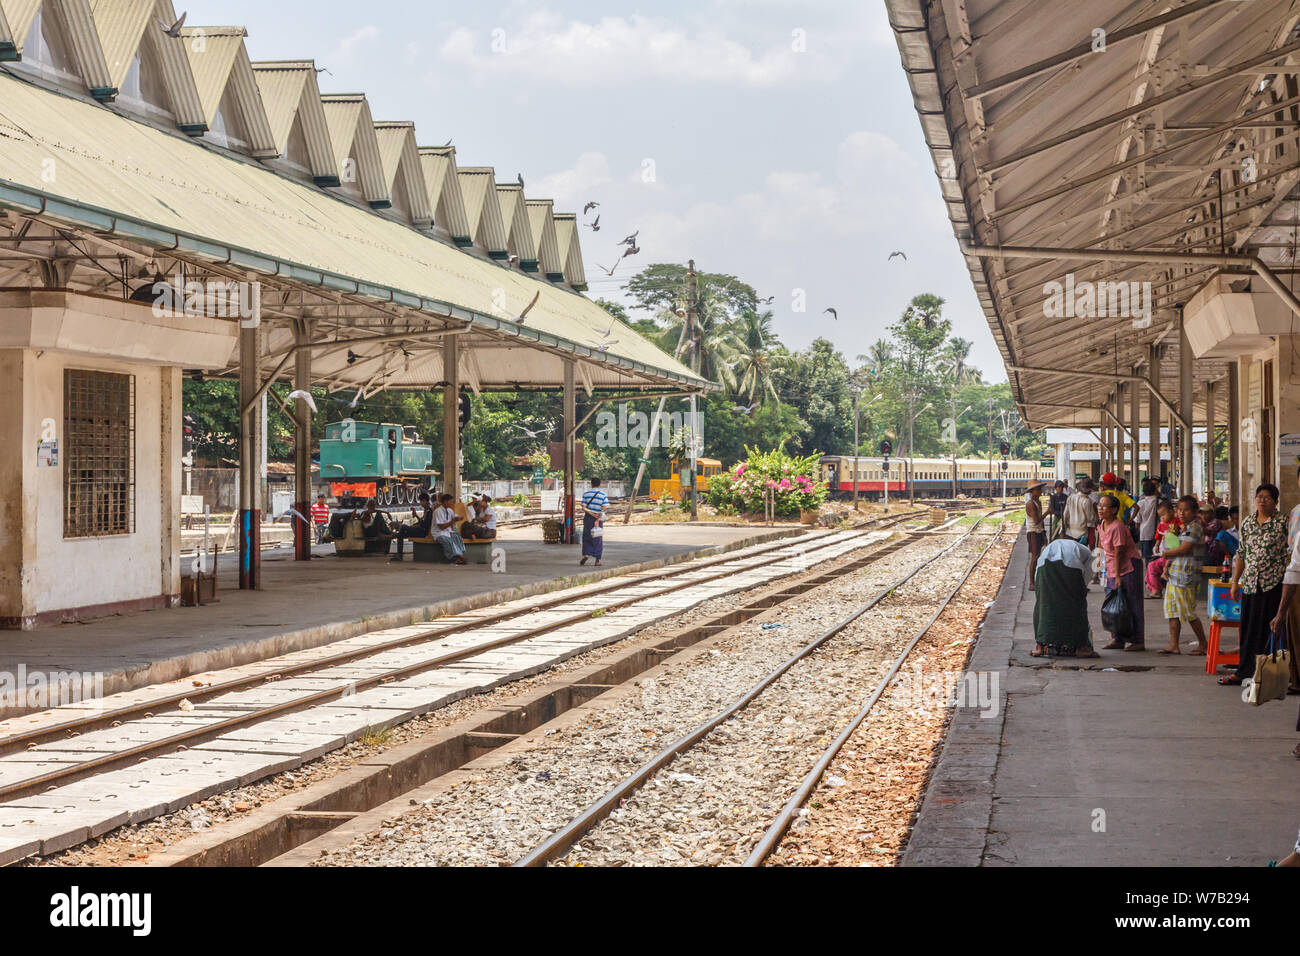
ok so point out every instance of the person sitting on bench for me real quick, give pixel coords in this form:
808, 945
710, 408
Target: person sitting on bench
419, 528
374, 525
444, 530
483, 526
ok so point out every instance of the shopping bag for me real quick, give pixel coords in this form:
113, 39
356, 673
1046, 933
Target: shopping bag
1116, 615
1272, 671
598, 531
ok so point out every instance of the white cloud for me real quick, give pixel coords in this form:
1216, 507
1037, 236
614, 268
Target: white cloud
545, 47
351, 44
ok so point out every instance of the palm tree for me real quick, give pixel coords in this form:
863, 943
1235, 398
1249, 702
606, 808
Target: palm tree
755, 358
925, 308
719, 348
877, 356
955, 361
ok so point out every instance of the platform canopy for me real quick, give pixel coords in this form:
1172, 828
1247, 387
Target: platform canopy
105, 203
1108, 141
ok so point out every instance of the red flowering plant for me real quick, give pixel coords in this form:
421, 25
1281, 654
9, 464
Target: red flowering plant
792, 480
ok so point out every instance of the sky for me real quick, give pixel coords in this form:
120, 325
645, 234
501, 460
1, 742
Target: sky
772, 140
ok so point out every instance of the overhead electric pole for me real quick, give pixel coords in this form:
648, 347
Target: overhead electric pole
694, 336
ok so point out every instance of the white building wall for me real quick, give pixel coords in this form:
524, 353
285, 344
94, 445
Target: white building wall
81, 572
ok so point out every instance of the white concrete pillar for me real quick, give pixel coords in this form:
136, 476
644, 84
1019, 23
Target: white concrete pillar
251, 430
19, 433
1185, 385
302, 501
1153, 413
1234, 435
171, 477
451, 417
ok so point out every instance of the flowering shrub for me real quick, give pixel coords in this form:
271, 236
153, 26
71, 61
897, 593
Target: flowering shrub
793, 481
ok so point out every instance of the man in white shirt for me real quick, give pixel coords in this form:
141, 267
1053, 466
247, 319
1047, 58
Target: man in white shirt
1081, 516
483, 526
444, 530
1147, 518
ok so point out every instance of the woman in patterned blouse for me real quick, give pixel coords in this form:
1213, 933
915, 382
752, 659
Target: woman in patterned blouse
1257, 577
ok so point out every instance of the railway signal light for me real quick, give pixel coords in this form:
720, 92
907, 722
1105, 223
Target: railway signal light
1005, 449
464, 409
188, 432
886, 448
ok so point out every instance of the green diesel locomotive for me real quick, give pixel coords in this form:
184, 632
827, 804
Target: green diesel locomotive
384, 461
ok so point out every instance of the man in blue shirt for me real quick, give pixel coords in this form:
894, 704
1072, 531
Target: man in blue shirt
594, 504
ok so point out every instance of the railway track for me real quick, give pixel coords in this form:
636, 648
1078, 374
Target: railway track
39, 766
564, 839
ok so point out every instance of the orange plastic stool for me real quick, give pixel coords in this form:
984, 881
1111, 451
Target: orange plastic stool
1213, 659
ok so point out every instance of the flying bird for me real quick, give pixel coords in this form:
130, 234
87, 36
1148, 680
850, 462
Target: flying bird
602, 346
322, 69
352, 356
448, 143
519, 319
175, 29
834, 314
305, 396
897, 252
631, 240
594, 225
742, 408
589, 207
544, 430
610, 272
768, 300
631, 251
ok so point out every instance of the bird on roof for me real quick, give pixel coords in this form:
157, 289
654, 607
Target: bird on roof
589, 207
742, 408
834, 314
520, 177
630, 240
594, 225
175, 29
519, 319
898, 252
305, 396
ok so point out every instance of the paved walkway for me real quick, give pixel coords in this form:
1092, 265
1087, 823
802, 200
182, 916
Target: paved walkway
306, 604
1133, 759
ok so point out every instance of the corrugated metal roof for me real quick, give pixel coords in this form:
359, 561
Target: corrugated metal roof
566, 234
541, 216
277, 81
399, 154
84, 38
120, 25
128, 179
478, 187
169, 52
519, 231
352, 131
212, 52
443, 182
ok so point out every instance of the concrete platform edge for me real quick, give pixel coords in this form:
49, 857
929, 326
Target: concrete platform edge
174, 668
952, 827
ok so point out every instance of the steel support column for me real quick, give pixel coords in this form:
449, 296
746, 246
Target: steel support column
1211, 397
1185, 384
451, 417
250, 456
570, 418
1234, 437
1135, 430
1153, 413
303, 531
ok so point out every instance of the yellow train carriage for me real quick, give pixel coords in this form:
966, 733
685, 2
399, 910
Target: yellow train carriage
708, 467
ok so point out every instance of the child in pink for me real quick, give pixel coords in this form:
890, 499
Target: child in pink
1157, 565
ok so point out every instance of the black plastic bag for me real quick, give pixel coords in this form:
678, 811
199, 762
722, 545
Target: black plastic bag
1116, 615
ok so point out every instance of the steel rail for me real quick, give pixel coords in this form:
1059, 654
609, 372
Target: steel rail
771, 839
18, 741
563, 839
71, 772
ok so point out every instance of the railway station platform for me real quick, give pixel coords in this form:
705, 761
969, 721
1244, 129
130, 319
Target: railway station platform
309, 603
1129, 759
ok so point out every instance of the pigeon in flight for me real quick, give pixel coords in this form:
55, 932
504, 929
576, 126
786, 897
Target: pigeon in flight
519, 319
174, 30
448, 143
631, 251
610, 271
594, 225
742, 408
589, 207
834, 314
305, 396
768, 300
323, 69
630, 240
897, 252
602, 346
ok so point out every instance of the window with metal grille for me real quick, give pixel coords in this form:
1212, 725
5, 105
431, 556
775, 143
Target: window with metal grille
99, 453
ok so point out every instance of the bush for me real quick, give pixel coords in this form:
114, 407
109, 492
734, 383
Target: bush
793, 481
